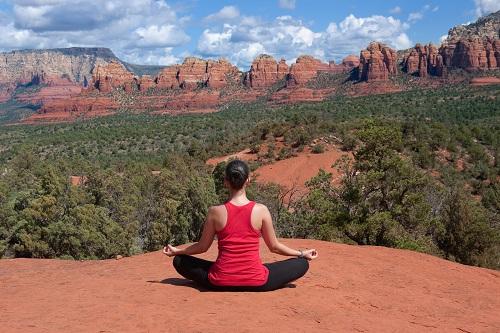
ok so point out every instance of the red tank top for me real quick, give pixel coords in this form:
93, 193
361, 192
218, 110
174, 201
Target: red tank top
238, 262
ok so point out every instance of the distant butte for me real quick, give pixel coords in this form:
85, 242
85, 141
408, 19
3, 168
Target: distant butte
78, 83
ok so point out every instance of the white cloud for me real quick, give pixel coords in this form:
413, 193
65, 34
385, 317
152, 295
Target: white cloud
287, 4
158, 36
288, 37
225, 14
416, 16
484, 7
395, 10
152, 57
129, 28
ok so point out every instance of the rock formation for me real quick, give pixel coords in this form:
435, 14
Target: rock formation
219, 72
377, 62
423, 60
265, 72
197, 73
475, 46
76, 64
351, 61
472, 53
107, 77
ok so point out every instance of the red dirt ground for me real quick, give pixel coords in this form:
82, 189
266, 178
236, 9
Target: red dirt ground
347, 289
295, 171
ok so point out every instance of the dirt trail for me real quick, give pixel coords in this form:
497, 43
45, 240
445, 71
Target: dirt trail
296, 171
348, 288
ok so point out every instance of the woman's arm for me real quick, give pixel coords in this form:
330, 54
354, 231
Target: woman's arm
275, 245
207, 238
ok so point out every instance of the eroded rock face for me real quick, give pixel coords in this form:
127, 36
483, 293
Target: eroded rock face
351, 61
424, 60
377, 62
167, 79
219, 72
265, 72
110, 76
195, 73
305, 68
145, 83
469, 54
472, 53
76, 64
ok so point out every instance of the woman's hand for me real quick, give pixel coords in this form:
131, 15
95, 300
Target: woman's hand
170, 250
310, 254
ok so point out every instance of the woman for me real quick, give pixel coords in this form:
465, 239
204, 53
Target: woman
238, 224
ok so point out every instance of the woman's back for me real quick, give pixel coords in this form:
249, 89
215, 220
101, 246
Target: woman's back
238, 262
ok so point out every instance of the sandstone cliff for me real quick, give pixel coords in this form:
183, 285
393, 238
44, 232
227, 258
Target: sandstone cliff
265, 72
472, 47
76, 64
377, 62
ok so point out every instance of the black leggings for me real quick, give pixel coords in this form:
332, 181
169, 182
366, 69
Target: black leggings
280, 273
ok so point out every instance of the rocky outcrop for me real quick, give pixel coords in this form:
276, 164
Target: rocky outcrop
76, 64
219, 72
355, 288
146, 82
351, 61
197, 73
377, 62
306, 68
486, 26
424, 60
475, 46
265, 71
107, 77
472, 54
167, 78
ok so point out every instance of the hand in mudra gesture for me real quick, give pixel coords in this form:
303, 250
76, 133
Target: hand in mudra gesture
310, 254
170, 250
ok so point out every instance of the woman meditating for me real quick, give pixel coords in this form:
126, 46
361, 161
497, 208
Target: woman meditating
238, 224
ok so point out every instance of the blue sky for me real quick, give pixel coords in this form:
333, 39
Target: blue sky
163, 32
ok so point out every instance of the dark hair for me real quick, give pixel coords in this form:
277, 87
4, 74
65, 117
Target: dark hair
237, 173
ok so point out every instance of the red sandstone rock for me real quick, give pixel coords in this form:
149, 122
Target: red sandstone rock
305, 68
145, 83
192, 73
167, 79
472, 53
377, 62
482, 81
218, 73
264, 72
347, 289
76, 106
424, 60
351, 61
113, 75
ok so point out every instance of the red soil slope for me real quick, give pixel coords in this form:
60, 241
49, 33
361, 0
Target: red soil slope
348, 288
295, 171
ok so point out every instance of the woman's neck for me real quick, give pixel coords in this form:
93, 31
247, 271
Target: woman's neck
239, 196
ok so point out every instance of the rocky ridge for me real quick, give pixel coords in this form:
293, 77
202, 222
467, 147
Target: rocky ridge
103, 84
472, 47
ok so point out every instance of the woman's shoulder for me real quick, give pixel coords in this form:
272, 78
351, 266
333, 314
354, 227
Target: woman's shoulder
216, 209
260, 207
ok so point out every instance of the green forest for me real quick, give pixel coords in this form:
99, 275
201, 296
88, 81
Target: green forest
425, 176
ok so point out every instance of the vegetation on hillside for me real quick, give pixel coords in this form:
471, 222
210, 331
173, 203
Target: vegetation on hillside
425, 176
